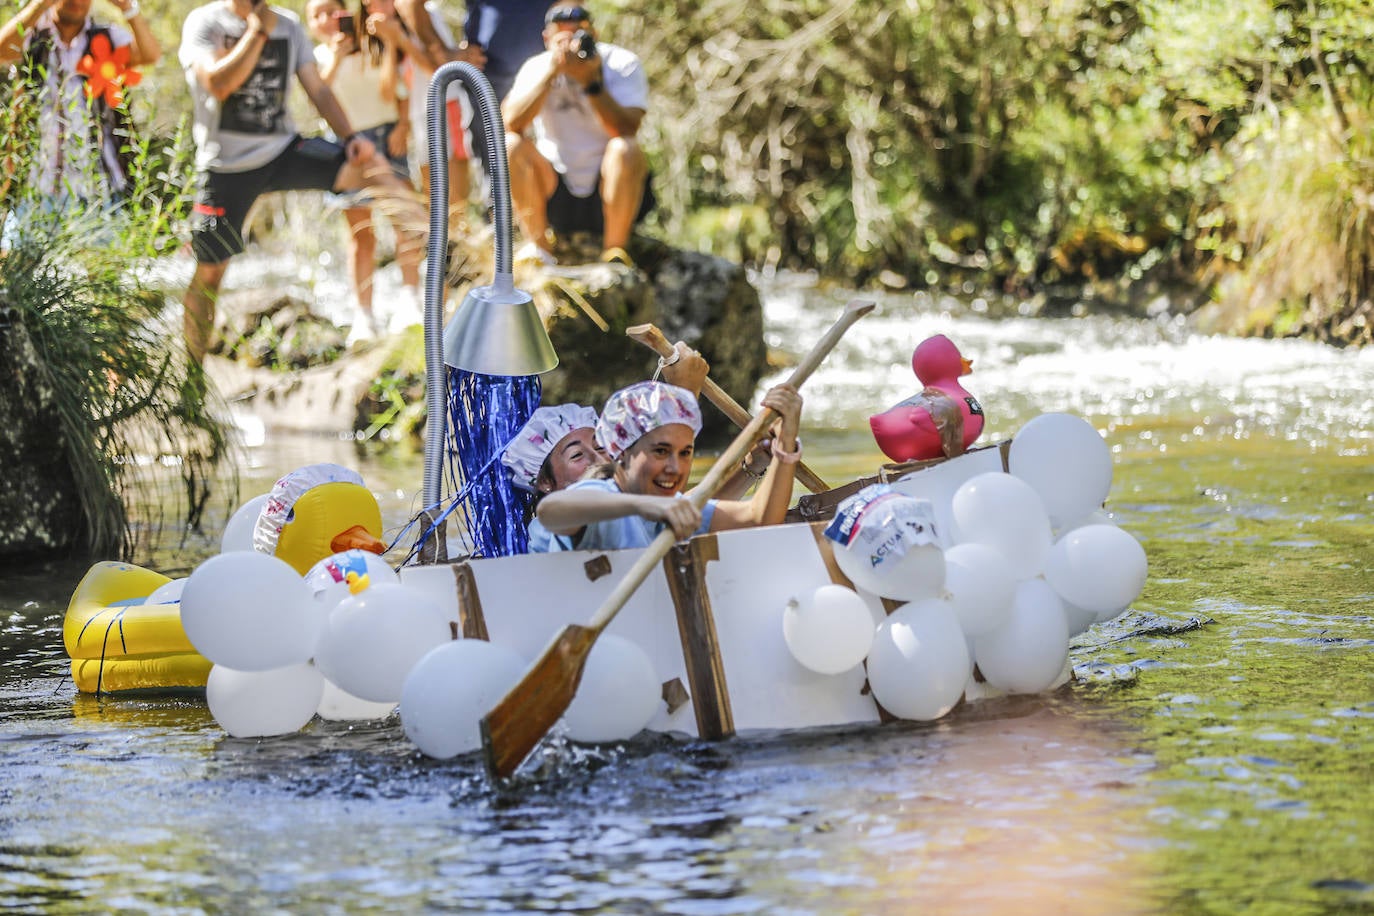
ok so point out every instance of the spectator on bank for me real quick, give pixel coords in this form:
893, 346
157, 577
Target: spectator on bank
360, 57
83, 140
437, 46
508, 32
239, 58
581, 169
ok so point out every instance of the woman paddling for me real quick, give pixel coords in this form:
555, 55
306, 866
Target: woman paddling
648, 430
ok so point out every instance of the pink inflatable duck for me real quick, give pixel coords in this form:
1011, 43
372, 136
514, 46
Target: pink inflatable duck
940, 422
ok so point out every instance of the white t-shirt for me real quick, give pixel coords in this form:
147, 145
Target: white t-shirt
358, 87
567, 131
251, 127
65, 116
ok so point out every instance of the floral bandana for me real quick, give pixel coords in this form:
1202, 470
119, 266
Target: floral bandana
277, 511
527, 452
641, 408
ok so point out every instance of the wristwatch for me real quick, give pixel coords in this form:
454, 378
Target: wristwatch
132, 10
593, 88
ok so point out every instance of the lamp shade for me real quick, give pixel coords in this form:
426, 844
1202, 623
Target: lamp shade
497, 331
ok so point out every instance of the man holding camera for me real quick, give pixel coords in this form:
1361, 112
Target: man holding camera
583, 170
239, 57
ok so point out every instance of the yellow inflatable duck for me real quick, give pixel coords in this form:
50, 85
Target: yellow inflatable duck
119, 641
315, 512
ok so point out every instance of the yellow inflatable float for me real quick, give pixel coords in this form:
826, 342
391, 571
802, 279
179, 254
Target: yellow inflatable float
118, 642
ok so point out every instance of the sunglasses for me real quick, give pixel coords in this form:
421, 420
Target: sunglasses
567, 14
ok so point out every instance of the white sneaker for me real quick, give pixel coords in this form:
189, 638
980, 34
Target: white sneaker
361, 331
405, 312
530, 253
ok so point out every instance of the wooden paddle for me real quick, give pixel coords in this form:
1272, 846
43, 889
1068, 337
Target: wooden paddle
653, 338
524, 716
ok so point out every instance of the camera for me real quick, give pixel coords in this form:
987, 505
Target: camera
346, 23
585, 44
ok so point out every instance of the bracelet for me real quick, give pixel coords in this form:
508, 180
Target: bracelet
666, 361
787, 457
266, 35
347, 140
132, 10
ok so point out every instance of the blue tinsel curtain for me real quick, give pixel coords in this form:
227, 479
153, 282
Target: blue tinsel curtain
484, 414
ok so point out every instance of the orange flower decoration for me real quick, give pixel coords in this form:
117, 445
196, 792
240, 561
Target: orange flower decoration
107, 71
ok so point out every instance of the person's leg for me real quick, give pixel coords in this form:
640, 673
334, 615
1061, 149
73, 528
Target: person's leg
198, 308
362, 255
532, 183
623, 170
221, 205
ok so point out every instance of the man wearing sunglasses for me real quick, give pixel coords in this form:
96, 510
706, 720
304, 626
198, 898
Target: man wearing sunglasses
580, 169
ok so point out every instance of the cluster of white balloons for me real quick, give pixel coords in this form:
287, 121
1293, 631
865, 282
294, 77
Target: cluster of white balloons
1032, 561
347, 641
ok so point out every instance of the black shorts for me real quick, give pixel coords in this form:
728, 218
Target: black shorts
223, 199
584, 214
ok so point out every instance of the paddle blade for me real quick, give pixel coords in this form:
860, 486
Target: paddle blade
514, 727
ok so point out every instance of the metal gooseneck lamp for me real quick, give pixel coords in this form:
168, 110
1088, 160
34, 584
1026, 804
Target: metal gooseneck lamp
495, 338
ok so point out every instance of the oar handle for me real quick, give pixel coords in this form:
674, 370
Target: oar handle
653, 338
653, 554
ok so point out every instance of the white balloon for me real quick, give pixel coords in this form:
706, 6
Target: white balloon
919, 662
619, 693
238, 532
252, 704
449, 691
1099, 568
337, 704
248, 611
1066, 461
167, 592
830, 631
372, 639
1004, 513
980, 586
1078, 619
1027, 653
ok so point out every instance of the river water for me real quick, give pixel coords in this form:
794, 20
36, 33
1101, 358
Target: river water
1213, 754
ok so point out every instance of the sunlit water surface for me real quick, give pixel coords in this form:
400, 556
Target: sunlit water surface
1214, 754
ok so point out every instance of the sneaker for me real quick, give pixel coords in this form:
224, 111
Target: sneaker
405, 312
360, 332
530, 253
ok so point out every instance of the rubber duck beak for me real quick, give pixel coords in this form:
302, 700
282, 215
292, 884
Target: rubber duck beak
965, 366
356, 538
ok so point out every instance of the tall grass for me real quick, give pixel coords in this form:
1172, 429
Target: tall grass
127, 402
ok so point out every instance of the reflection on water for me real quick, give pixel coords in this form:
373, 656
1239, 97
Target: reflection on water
1213, 754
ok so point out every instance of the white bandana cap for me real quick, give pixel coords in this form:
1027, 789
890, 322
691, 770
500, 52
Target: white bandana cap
524, 457
641, 408
276, 512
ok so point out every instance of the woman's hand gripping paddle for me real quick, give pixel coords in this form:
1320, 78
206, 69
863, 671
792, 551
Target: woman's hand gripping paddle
512, 730
653, 338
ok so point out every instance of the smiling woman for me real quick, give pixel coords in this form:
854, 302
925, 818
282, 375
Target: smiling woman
649, 432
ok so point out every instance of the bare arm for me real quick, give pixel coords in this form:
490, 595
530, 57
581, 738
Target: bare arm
569, 511
768, 506
145, 49
324, 100
13, 32
523, 104
223, 74
429, 49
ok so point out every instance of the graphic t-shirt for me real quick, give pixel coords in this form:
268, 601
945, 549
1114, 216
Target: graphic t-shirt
252, 126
